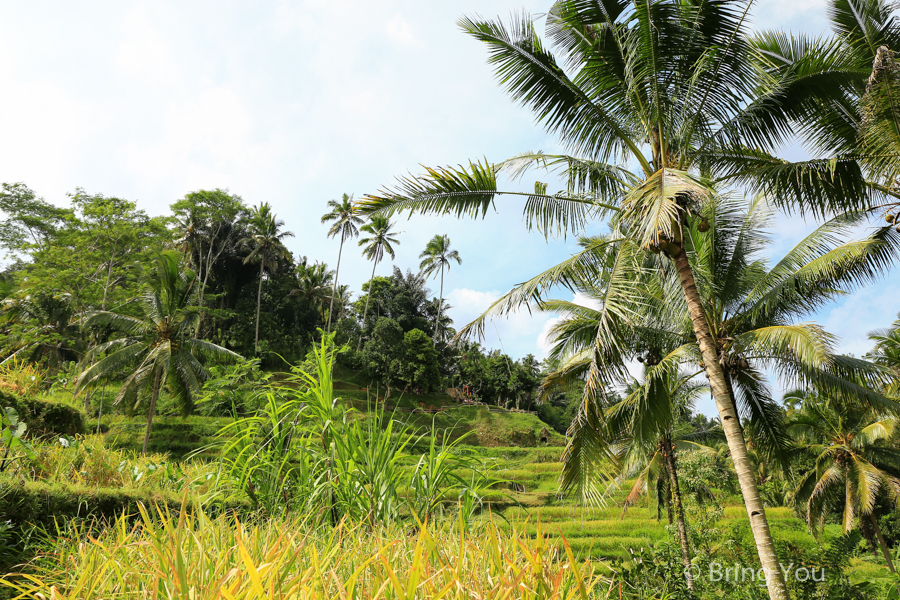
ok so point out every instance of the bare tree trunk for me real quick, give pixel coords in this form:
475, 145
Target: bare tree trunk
437, 319
258, 302
881, 543
765, 545
671, 470
153, 398
337, 273
366, 311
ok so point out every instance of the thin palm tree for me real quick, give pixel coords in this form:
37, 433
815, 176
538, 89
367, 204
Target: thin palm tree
381, 240
267, 241
345, 224
644, 431
436, 257
853, 461
158, 348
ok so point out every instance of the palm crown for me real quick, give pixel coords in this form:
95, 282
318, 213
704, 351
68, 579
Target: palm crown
346, 221
436, 257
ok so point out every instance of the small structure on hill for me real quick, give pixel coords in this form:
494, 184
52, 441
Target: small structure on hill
545, 436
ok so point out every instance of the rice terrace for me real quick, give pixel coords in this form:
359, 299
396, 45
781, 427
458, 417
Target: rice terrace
596, 299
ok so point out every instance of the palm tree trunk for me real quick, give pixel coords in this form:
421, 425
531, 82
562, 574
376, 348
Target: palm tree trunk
366, 311
765, 545
258, 302
437, 319
152, 411
881, 543
671, 470
337, 273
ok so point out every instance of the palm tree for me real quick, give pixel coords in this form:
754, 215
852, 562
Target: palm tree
267, 240
346, 220
853, 461
887, 353
754, 310
380, 240
156, 349
437, 256
314, 282
657, 112
43, 327
644, 431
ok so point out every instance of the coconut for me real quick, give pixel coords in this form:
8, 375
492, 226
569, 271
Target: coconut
703, 227
889, 218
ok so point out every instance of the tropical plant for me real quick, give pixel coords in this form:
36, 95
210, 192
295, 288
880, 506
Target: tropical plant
887, 353
381, 240
345, 224
853, 463
42, 328
158, 348
645, 430
315, 284
661, 111
209, 224
267, 241
12, 430
859, 119
436, 257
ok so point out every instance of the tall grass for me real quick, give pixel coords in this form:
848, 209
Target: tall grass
194, 556
306, 451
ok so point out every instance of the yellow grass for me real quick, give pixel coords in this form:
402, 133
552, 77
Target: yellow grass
194, 556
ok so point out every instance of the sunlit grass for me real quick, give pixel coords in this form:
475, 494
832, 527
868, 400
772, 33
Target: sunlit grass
198, 557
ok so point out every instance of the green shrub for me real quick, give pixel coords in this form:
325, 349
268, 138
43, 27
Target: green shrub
44, 418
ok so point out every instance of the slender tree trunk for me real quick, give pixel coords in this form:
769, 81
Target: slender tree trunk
881, 543
153, 398
258, 302
671, 470
437, 319
337, 273
765, 545
366, 311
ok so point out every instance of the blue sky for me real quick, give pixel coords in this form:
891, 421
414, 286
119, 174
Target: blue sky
295, 103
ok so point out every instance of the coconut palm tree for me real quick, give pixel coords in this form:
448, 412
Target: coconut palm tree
42, 327
381, 240
657, 113
315, 284
267, 242
345, 224
887, 353
643, 430
158, 348
755, 311
854, 462
437, 256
